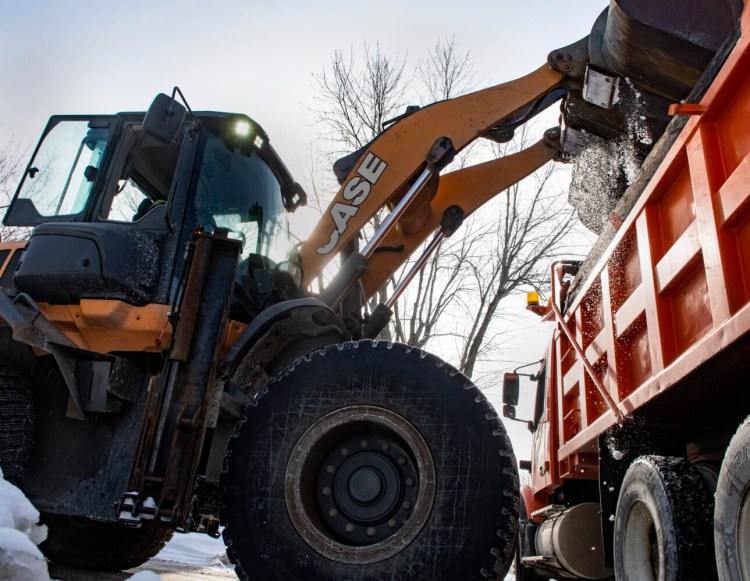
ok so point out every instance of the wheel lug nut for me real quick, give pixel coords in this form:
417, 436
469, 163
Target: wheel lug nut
405, 504
371, 532
327, 491
385, 446
333, 512
344, 451
330, 469
409, 482
363, 443
401, 460
392, 523
349, 528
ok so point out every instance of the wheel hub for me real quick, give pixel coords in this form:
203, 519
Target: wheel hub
642, 550
360, 484
366, 487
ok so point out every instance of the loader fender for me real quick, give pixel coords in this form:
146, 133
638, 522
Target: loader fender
270, 317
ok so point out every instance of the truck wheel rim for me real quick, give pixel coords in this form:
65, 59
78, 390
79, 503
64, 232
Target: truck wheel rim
360, 484
641, 552
743, 534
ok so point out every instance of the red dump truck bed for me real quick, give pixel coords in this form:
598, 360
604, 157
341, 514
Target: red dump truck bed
673, 289
650, 355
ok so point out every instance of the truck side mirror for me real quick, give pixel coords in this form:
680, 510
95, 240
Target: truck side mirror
510, 389
164, 119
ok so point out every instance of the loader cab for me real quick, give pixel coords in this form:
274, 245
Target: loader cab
113, 207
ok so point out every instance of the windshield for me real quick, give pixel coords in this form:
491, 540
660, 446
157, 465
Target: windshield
62, 173
237, 190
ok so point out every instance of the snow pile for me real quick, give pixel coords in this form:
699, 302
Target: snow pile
20, 558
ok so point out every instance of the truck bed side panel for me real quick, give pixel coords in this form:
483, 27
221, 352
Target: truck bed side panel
668, 305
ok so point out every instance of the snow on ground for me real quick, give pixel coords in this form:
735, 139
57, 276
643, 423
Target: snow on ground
195, 549
145, 576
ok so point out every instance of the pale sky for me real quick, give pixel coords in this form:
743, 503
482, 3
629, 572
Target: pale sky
257, 58
250, 57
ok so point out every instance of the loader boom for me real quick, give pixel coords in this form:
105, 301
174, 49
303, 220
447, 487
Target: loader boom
420, 145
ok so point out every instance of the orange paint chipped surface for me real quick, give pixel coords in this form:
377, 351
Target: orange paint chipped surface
107, 326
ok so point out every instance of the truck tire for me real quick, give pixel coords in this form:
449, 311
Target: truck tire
370, 461
732, 515
16, 422
522, 572
102, 546
663, 523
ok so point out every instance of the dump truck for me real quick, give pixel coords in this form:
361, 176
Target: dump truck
640, 461
169, 362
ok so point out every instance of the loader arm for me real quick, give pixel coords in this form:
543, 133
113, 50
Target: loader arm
468, 188
416, 148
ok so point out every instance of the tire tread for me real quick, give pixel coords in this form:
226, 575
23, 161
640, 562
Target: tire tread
500, 556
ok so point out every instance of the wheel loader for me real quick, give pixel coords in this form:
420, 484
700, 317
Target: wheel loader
166, 365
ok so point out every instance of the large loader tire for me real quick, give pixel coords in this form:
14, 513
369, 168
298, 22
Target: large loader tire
370, 461
16, 422
101, 546
732, 515
663, 523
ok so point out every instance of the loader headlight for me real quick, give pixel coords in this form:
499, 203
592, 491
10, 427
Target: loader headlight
242, 128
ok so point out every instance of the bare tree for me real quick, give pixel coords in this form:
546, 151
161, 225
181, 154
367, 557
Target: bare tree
419, 316
533, 223
502, 250
455, 298
353, 100
11, 158
444, 72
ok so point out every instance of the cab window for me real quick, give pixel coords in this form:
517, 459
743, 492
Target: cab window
237, 191
60, 179
143, 171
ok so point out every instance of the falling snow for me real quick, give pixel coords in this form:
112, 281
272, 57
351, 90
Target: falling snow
605, 168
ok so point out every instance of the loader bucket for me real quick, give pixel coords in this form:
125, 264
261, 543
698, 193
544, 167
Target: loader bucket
642, 57
663, 46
